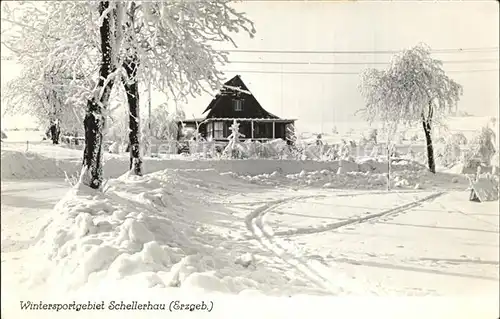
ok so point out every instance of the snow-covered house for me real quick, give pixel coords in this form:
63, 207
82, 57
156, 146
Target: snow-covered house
236, 102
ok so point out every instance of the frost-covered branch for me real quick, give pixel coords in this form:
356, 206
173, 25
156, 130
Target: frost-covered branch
174, 42
413, 86
54, 43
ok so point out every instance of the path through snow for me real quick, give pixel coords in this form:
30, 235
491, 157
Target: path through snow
296, 230
24, 206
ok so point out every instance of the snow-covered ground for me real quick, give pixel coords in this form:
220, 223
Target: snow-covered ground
249, 238
469, 126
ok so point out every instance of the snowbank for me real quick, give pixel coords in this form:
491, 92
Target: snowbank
23, 136
153, 231
366, 173
55, 161
27, 165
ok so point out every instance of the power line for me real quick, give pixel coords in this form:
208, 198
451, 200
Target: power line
350, 63
334, 73
458, 50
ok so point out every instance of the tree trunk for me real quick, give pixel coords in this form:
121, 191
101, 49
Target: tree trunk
132, 90
53, 133
430, 149
57, 133
94, 119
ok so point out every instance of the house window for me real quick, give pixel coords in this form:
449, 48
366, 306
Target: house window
218, 129
238, 105
210, 129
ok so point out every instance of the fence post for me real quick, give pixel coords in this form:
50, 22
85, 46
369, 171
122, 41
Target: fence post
27, 146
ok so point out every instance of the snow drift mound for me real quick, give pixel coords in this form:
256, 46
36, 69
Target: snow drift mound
27, 165
151, 231
368, 173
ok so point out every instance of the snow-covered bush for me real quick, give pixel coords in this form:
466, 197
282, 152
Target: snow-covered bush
345, 150
275, 149
372, 137
441, 140
363, 141
482, 147
375, 151
265, 150
458, 139
495, 163
449, 154
295, 151
330, 153
114, 148
410, 153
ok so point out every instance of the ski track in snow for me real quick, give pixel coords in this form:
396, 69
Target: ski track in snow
359, 220
316, 271
266, 238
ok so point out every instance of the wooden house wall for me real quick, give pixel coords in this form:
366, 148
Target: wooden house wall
224, 108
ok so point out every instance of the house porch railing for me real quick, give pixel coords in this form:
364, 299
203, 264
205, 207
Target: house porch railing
252, 130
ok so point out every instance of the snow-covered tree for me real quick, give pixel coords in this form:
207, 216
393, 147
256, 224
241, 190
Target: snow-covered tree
449, 152
164, 122
232, 148
168, 44
291, 135
345, 150
482, 147
64, 36
372, 137
414, 89
44, 92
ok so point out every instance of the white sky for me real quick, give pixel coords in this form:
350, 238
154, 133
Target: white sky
317, 26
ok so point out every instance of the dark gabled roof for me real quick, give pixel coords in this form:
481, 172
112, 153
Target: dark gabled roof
221, 98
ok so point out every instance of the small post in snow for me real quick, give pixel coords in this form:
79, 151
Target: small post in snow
27, 146
388, 167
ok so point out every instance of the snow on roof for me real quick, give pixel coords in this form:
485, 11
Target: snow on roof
235, 88
200, 120
250, 119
